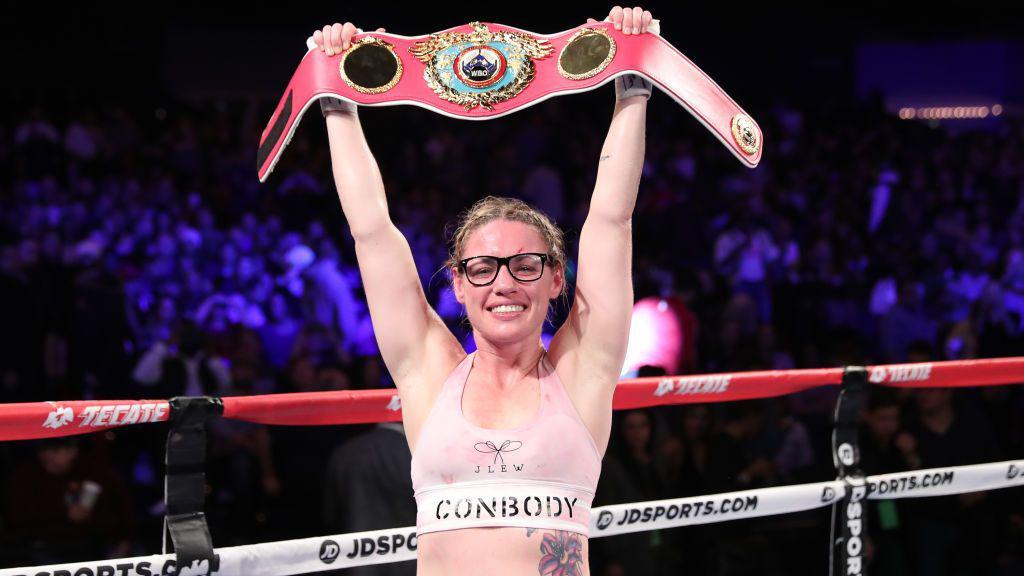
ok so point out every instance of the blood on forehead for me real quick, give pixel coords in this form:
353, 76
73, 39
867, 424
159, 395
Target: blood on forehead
503, 238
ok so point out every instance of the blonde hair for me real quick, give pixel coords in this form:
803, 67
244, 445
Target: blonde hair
495, 208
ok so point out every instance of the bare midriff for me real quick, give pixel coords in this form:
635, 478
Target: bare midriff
501, 552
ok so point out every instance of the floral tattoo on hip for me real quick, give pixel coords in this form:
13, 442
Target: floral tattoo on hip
561, 554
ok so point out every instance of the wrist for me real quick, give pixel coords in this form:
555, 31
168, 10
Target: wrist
332, 105
631, 86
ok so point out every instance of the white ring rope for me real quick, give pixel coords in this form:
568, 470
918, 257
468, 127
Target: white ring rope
324, 553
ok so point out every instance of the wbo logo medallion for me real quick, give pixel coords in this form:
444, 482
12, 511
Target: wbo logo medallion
481, 68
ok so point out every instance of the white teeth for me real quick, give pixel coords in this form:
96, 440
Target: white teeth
508, 308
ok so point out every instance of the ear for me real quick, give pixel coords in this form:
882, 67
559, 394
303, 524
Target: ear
457, 286
557, 283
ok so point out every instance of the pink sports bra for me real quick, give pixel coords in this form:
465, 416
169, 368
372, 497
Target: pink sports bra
539, 475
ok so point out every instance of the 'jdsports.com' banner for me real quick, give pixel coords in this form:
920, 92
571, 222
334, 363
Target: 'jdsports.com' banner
643, 516
399, 544
946, 481
268, 559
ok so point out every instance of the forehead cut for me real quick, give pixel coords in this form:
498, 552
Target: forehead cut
503, 238
493, 208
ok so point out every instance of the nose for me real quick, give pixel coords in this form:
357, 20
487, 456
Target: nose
504, 282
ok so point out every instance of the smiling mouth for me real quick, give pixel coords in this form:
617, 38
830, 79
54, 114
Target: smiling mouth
507, 308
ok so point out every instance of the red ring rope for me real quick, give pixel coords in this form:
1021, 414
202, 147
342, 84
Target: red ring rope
52, 419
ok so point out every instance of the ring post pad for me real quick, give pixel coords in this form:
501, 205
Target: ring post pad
185, 488
850, 526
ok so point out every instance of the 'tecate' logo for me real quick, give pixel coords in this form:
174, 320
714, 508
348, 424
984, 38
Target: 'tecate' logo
395, 404
60, 416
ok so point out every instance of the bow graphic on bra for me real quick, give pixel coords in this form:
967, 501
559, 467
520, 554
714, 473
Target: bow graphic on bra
506, 446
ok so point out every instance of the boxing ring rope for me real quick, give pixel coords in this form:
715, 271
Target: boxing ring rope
308, 555
34, 420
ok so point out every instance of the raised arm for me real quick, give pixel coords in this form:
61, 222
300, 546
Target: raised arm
406, 327
597, 330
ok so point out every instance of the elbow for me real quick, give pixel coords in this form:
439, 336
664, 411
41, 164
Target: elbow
618, 219
613, 206
370, 229
372, 233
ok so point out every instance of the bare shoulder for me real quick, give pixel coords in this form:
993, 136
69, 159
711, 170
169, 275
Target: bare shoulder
584, 371
590, 385
420, 383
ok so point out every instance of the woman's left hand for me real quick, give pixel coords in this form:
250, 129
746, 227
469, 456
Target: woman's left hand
630, 20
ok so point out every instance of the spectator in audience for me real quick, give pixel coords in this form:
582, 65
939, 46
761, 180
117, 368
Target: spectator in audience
368, 487
906, 322
63, 505
951, 534
280, 330
885, 447
182, 366
634, 471
745, 252
243, 478
732, 464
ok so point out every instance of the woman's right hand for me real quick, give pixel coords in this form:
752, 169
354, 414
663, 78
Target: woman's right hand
336, 38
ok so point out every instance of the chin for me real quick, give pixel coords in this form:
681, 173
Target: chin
506, 332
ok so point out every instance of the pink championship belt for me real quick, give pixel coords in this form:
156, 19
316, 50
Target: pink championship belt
481, 71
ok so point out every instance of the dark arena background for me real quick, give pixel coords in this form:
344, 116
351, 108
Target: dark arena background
140, 257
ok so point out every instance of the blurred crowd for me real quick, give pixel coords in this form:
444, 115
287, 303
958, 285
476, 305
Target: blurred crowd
141, 258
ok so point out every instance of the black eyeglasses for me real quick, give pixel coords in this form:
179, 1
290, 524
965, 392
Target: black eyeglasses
482, 270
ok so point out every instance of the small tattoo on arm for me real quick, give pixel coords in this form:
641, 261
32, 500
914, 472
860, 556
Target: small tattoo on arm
561, 554
605, 157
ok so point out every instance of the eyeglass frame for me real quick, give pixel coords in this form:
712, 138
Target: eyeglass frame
505, 261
